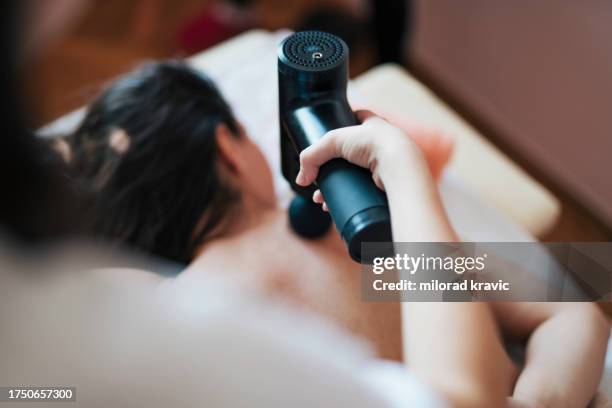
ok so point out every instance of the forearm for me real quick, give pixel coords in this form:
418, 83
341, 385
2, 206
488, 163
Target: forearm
453, 346
417, 214
576, 360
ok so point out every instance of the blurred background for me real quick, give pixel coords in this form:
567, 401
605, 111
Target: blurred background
534, 77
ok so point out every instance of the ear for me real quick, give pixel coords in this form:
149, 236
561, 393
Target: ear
228, 148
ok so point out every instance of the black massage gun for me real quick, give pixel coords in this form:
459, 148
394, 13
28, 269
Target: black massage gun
312, 80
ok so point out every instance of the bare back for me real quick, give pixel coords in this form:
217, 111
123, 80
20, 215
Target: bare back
314, 274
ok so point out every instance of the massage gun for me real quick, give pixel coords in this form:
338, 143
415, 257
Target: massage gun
312, 80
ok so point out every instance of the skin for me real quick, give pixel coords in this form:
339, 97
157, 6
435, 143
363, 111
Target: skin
322, 278
444, 343
325, 280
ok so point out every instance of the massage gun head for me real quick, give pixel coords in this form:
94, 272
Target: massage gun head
311, 63
313, 51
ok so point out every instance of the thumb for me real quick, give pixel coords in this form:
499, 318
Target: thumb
363, 114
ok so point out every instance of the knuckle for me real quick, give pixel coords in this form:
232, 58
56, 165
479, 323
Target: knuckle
305, 156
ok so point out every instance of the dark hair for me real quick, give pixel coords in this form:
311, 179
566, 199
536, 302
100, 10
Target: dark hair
153, 195
34, 200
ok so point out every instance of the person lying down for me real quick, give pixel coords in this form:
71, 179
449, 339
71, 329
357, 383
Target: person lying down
167, 169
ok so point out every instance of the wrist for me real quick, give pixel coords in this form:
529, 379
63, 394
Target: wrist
399, 159
416, 209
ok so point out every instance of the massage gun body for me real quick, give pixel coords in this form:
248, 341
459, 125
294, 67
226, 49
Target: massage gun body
312, 101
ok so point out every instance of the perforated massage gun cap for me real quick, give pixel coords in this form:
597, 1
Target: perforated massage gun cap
308, 53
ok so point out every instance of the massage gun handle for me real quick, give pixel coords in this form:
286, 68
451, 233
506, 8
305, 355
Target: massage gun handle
358, 208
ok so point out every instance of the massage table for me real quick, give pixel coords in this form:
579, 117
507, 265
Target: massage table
487, 196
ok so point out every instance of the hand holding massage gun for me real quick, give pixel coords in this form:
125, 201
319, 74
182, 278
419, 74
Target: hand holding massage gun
312, 81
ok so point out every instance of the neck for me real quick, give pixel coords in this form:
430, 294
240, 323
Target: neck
246, 216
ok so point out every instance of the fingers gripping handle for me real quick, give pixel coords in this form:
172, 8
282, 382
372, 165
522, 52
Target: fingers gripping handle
357, 206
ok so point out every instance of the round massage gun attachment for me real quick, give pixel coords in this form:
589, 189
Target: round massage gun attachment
307, 218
